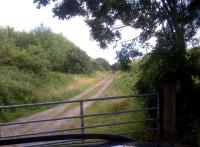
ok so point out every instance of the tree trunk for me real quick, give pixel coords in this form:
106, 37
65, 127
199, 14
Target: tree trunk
169, 112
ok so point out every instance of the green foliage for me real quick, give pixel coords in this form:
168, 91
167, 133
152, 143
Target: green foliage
33, 64
151, 78
100, 64
173, 23
41, 50
103, 63
96, 65
176, 21
125, 55
33, 59
121, 85
151, 72
77, 61
14, 86
115, 66
19, 87
55, 45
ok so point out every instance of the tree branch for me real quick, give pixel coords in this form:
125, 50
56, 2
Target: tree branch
120, 27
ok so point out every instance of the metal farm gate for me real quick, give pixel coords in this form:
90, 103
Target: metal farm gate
82, 127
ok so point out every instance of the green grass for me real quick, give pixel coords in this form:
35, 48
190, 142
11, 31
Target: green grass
119, 86
18, 87
86, 96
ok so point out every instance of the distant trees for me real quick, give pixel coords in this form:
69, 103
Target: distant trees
104, 64
55, 45
96, 66
100, 64
115, 66
77, 61
42, 50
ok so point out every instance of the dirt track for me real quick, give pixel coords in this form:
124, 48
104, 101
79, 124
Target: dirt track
58, 111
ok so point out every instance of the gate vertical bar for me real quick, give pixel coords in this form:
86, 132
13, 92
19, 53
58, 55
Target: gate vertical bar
0, 131
158, 113
81, 117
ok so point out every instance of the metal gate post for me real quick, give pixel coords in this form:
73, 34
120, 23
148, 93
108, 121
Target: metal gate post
82, 117
0, 131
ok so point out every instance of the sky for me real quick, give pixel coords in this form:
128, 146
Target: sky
23, 15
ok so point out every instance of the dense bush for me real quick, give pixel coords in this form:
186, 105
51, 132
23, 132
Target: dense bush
55, 45
96, 66
77, 61
15, 86
103, 63
100, 64
41, 49
151, 78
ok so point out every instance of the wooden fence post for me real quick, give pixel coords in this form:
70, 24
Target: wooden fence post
169, 111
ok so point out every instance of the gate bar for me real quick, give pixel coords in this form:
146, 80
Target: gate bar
74, 117
87, 127
82, 117
75, 101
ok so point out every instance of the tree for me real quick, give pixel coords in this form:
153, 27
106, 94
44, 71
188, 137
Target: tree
125, 55
115, 66
147, 15
173, 22
102, 62
150, 78
55, 45
96, 66
77, 61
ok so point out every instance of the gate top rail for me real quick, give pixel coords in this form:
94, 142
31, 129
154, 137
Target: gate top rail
75, 101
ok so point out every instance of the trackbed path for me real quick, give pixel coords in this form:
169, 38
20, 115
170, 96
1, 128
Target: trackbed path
62, 110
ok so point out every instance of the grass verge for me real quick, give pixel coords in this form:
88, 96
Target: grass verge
50, 87
118, 87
